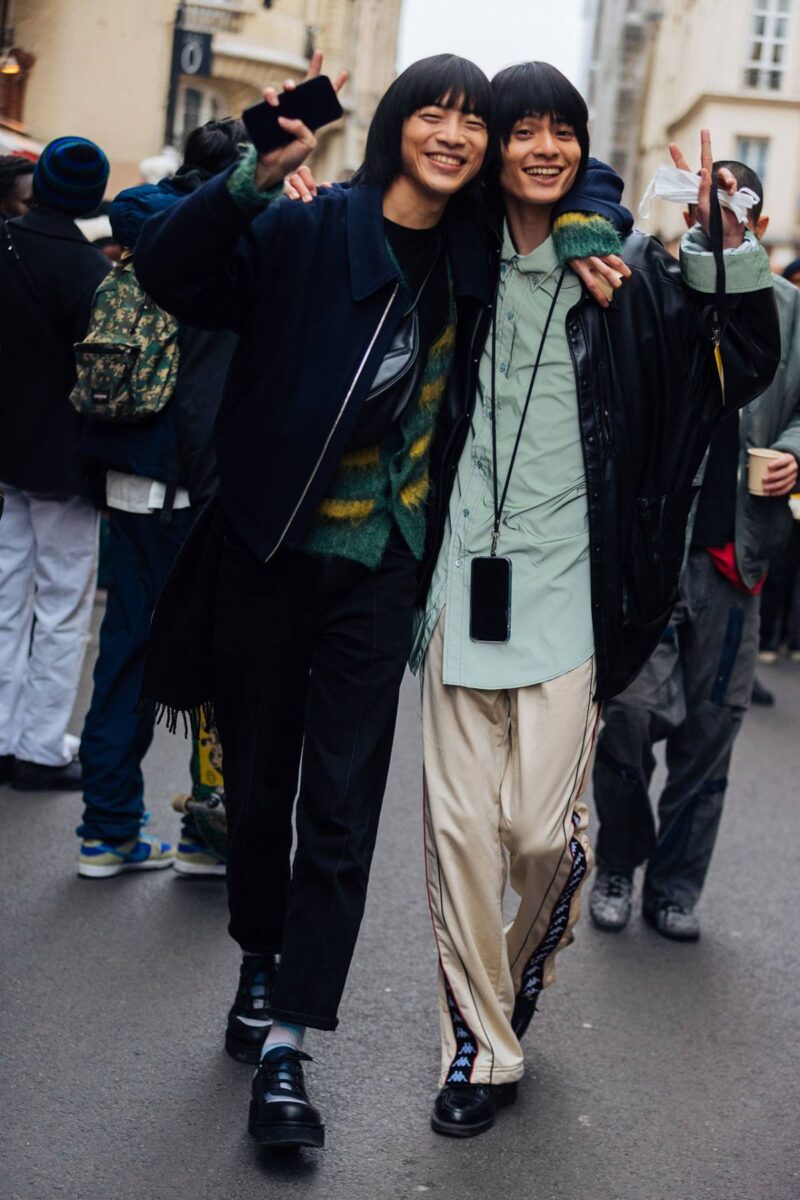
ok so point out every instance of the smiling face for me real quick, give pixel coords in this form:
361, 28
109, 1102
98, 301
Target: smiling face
443, 148
540, 161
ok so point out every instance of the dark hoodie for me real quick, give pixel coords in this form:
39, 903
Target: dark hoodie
176, 442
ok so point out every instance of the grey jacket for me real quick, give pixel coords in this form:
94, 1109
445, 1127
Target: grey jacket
763, 523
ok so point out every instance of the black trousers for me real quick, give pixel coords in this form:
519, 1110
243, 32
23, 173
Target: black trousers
308, 658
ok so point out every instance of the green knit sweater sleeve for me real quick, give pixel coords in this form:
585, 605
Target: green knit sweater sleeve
242, 185
580, 235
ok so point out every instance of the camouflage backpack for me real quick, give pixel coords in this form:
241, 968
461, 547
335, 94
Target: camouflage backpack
128, 365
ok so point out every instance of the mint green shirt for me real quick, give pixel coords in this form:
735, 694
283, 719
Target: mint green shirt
544, 529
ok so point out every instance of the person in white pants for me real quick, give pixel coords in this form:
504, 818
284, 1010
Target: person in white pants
49, 273
48, 567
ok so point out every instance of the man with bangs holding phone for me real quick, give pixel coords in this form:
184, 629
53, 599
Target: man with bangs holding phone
356, 318
558, 562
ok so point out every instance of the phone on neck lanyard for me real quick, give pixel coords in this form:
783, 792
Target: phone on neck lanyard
490, 575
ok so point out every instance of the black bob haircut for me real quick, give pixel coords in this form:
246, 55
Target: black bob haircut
537, 89
441, 79
746, 178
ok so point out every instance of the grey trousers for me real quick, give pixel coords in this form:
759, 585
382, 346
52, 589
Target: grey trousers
693, 693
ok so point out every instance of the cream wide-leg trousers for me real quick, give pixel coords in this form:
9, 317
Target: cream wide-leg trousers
503, 773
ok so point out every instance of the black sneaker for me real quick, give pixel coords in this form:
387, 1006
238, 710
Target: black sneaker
466, 1109
762, 695
248, 1023
611, 900
281, 1113
672, 920
35, 777
6, 767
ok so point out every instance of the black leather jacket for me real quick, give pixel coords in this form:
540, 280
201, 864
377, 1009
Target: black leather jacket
649, 397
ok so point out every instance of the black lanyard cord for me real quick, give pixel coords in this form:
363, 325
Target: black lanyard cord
498, 506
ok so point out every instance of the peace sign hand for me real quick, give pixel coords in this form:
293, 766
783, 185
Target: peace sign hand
273, 167
732, 229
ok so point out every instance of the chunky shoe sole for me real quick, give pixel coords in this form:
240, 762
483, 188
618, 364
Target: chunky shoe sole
86, 871
284, 1133
652, 921
609, 926
216, 871
245, 1052
506, 1094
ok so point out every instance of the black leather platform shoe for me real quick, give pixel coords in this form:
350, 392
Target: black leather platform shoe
466, 1109
281, 1113
248, 1024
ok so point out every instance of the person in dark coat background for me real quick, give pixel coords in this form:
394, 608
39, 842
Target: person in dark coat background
48, 535
157, 474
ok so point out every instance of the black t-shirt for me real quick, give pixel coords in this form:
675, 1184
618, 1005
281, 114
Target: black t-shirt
421, 258
715, 523
416, 251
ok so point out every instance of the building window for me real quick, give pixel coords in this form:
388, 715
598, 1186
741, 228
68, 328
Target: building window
196, 106
754, 153
768, 45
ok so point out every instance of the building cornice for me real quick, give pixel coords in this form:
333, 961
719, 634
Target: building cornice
748, 99
234, 47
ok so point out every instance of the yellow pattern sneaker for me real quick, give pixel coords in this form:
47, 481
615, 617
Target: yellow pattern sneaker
99, 860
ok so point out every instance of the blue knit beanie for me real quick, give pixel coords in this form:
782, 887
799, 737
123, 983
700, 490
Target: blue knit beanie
70, 176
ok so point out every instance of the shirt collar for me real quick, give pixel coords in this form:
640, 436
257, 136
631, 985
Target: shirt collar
541, 261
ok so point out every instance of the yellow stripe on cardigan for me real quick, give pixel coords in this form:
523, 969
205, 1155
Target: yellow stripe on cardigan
361, 460
416, 492
420, 446
431, 393
346, 510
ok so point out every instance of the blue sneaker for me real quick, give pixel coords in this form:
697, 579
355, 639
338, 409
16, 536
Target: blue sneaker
98, 860
195, 858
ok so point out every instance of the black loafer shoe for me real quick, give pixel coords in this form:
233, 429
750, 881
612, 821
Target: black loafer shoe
522, 1015
466, 1109
35, 777
248, 1024
280, 1111
6, 767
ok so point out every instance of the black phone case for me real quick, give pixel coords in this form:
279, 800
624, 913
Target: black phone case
315, 103
490, 600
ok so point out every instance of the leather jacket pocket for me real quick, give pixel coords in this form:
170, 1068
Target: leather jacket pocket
655, 555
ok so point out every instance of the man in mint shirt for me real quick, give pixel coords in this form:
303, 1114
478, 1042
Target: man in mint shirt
570, 497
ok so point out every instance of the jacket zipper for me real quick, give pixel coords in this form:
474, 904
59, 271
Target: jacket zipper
335, 425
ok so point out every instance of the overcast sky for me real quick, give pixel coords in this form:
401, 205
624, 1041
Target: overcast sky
495, 33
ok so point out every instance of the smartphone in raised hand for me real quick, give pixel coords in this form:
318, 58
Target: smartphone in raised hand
315, 103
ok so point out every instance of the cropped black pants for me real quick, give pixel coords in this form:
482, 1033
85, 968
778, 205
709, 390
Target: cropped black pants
308, 656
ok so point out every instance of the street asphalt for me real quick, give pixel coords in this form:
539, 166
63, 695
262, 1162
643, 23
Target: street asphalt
655, 1071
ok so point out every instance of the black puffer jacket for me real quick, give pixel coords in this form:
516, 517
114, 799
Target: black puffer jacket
649, 397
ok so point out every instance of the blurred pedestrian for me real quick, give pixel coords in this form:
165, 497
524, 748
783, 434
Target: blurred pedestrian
16, 185
48, 532
158, 472
695, 690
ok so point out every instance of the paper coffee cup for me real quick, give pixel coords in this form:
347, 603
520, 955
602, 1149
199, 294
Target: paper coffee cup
757, 463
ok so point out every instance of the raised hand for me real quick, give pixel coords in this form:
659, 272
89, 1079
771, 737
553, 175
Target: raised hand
302, 185
274, 166
732, 229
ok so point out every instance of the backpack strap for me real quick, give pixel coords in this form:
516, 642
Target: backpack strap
171, 487
15, 257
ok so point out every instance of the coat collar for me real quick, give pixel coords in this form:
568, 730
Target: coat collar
50, 223
371, 266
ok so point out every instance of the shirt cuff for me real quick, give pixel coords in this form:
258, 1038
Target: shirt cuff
242, 185
746, 267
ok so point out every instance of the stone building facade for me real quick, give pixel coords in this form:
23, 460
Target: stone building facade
102, 69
